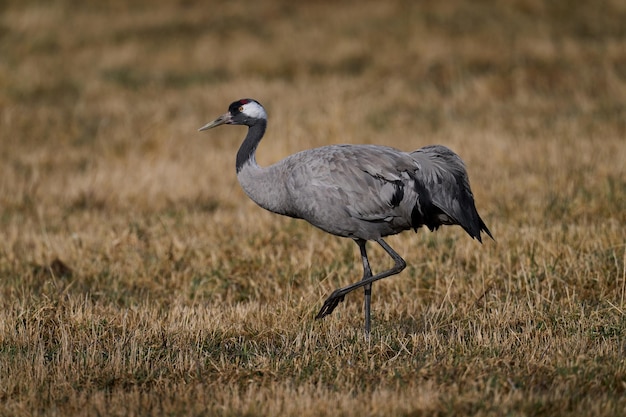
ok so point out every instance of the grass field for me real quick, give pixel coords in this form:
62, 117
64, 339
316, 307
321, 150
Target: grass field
137, 279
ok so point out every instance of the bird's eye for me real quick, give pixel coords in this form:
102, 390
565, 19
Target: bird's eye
240, 108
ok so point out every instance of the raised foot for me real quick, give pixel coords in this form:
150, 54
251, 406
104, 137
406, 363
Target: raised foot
329, 305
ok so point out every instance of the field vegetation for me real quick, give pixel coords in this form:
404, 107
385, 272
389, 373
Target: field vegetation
137, 279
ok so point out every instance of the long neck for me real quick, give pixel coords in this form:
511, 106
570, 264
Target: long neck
250, 143
265, 186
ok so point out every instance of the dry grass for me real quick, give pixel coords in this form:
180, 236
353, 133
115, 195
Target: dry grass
137, 279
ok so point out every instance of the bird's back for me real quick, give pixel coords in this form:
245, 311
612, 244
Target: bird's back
368, 191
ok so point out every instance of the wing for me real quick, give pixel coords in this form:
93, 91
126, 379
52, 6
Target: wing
352, 190
443, 174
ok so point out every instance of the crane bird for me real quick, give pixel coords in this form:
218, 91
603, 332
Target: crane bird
362, 192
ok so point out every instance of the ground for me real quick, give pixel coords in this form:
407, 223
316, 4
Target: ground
136, 278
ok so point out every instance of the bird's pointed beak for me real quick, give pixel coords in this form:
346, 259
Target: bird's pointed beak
223, 119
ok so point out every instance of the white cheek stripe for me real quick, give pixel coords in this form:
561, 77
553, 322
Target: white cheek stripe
255, 110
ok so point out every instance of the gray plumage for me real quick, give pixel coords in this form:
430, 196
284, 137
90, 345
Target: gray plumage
363, 192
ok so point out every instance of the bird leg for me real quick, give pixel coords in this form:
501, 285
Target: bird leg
338, 295
367, 273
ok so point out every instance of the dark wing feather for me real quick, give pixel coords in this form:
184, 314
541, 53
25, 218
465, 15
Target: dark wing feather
443, 174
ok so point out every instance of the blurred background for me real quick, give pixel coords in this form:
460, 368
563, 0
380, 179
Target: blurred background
137, 278
100, 101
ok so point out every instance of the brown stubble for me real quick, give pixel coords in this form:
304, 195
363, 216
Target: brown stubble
138, 279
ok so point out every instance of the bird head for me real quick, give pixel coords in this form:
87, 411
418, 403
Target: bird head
241, 112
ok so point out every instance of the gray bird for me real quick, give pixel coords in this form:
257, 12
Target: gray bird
362, 192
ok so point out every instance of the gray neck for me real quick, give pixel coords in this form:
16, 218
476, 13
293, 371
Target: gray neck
265, 186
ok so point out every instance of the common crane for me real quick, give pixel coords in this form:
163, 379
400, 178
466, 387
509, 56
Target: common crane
362, 192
